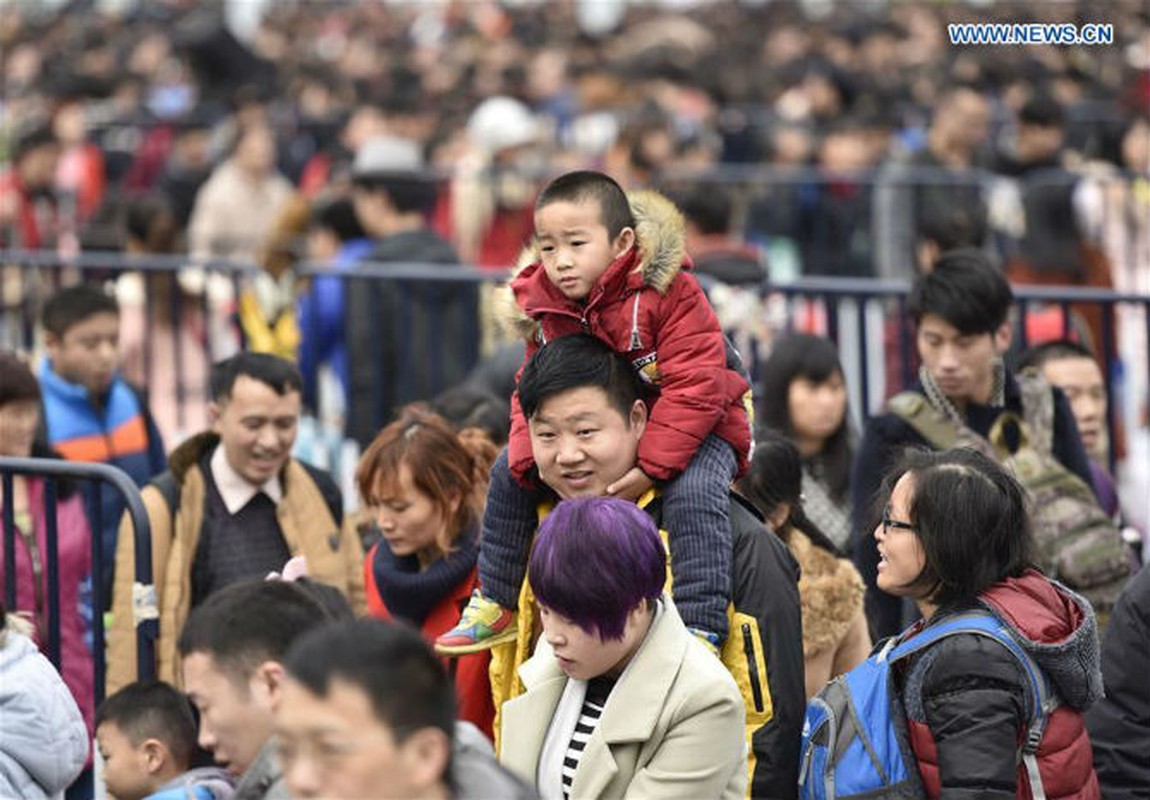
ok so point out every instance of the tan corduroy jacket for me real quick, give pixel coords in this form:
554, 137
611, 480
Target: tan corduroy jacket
333, 552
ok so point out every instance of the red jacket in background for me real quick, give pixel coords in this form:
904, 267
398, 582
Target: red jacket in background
647, 307
472, 684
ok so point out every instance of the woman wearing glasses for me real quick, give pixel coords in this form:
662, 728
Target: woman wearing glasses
955, 536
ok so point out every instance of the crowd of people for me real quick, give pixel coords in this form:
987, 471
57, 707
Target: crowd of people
618, 556
543, 576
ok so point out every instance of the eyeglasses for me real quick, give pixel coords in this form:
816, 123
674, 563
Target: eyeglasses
898, 525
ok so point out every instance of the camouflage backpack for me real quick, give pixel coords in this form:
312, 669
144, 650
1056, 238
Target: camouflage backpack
1077, 542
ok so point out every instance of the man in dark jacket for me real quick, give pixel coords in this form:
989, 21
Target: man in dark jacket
1119, 723
960, 310
411, 338
586, 400
379, 689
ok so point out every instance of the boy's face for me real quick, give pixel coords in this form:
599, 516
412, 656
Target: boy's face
125, 766
961, 364
89, 352
574, 245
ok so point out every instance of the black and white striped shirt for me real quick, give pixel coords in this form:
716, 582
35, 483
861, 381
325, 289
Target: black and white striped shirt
598, 689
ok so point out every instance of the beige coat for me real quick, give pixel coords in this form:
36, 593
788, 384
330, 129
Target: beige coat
333, 552
673, 726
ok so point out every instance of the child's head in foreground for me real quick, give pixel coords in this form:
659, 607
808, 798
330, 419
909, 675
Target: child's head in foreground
146, 733
583, 222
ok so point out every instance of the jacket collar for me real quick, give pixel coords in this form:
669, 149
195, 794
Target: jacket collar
645, 682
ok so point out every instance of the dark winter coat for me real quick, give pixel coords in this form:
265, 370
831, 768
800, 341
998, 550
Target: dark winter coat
1119, 724
966, 698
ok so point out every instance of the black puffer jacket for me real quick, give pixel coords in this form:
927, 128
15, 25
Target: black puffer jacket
1119, 724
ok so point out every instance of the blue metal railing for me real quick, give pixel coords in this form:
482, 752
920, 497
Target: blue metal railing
51, 471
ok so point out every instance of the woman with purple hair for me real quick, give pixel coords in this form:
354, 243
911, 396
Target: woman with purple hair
621, 699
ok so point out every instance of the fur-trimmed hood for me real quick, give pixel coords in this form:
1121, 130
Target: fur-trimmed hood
659, 254
831, 592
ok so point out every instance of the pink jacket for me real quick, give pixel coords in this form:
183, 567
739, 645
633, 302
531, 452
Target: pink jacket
75, 563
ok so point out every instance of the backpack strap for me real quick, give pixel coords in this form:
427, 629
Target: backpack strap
1041, 700
1037, 409
914, 409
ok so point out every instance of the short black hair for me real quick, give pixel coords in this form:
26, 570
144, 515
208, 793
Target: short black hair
407, 193
338, 216
575, 362
971, 517
405, 681
247, 623
584, 185
965, 289
72, 305
1056, 350
153, 710
952, 224
1042, 110
470, 406
707, 207
280, 374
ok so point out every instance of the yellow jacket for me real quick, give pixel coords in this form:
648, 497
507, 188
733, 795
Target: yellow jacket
765, 618
333, 552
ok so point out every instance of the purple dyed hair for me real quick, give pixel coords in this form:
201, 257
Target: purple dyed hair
595, 559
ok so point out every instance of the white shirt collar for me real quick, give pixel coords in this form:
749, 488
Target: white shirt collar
236, 491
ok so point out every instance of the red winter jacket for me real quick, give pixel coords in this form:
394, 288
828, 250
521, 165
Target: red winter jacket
472, 684
966, 699
649, 308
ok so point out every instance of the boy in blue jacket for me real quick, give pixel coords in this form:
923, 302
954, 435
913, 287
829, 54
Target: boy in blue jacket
90, 411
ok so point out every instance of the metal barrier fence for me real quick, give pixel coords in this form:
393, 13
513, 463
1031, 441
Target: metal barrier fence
419, 327
51, 471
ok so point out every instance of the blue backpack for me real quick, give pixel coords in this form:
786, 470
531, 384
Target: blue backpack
855, 741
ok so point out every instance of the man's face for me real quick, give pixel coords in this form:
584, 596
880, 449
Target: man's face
236, 718
88, 353
582, 444
961, 364
1081, 380
335, 746
125, 766
574, 245
257, 427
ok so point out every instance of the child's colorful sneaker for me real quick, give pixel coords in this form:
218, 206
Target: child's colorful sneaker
483, 625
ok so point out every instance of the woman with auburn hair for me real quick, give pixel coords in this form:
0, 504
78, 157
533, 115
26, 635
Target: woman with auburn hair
425, 484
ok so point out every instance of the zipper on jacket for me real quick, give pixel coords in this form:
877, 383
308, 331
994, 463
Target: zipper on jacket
752, 667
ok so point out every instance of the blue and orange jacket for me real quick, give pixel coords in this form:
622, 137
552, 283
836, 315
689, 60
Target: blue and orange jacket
121, 434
